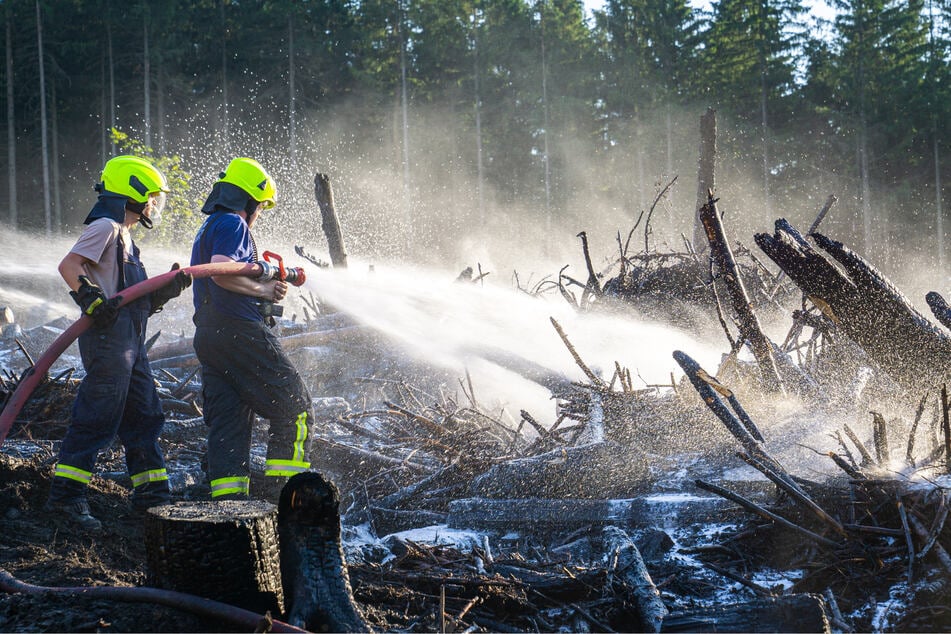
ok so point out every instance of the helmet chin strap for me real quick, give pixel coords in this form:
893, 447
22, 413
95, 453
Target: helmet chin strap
138, 208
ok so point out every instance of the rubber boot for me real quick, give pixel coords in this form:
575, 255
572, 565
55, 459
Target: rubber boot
74, 513
152, 494
269, 488
67, 505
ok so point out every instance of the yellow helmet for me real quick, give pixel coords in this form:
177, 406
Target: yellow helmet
247, 174
133, 177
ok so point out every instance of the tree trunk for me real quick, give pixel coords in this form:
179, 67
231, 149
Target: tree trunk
11, 125
112, 80
224, 135
763, 103
292, 94
865, 195
706, 173
639, 166
546, 156
54, 133
862, 151
329, 223
480, 167
146, 78
939, 207
44, 143
670, 142
102, 108
226, 551
160, 106
404, 117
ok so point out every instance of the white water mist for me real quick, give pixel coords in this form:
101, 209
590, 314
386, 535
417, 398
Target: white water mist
447, 323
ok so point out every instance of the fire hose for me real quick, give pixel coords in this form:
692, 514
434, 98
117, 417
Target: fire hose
37, 374
239, 618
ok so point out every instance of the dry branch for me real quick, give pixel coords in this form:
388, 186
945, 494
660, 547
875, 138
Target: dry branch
595, 379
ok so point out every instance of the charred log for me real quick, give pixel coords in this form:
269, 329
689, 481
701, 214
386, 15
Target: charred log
634, 577
597, 470
706, 172
545, 516
939, 307
750, 329
865, 306
793, 613
388, 521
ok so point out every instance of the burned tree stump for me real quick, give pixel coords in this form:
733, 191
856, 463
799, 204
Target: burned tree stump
226, 551
329, 222
706, 173
316, 582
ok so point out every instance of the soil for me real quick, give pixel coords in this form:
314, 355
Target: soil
39, 549
45, 563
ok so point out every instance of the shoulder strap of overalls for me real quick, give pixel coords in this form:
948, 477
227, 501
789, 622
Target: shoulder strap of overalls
120, 260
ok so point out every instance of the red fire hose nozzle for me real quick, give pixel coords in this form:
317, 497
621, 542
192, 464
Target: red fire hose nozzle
293, 275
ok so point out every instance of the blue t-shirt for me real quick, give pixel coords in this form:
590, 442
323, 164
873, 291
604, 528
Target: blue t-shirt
224, 234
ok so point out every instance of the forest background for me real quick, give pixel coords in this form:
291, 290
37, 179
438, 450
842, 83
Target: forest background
443, 123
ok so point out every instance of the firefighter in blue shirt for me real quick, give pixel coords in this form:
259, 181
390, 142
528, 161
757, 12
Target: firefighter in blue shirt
117, 395
244, 369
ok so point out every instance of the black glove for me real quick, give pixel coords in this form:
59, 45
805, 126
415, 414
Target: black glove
93, 302
173, 289
939, 307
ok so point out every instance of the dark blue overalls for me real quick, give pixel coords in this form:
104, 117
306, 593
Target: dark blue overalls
245, 371
117, 397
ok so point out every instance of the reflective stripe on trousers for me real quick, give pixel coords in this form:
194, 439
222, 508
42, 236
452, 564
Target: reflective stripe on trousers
72, 473
153, 475
298, 462
230, 485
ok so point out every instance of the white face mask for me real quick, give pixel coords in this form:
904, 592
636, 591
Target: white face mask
158, 205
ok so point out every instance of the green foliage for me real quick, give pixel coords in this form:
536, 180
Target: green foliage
179, 220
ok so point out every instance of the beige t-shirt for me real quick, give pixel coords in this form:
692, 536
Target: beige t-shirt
98, 243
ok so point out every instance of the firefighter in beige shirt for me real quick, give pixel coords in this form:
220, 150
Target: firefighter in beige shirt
117, 395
